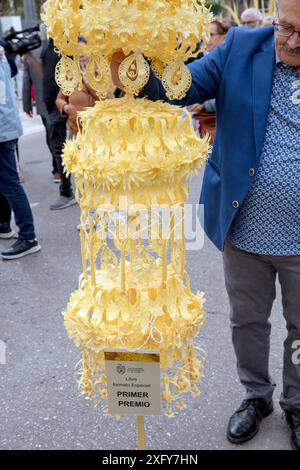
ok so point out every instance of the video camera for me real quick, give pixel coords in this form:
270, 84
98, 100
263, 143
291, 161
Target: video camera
21, 42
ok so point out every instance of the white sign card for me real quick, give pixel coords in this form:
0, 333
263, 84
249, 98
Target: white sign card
133, 382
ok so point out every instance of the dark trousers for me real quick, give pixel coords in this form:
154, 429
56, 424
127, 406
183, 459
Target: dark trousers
54, 164
251, 286
57, 137
12, 195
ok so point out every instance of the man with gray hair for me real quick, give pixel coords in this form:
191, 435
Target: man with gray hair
251, 199
252, 18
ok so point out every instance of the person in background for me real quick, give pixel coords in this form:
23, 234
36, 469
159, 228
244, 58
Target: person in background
11, 59
251, 18
56, 122
12, 195
218, 30
69, 106
32, 78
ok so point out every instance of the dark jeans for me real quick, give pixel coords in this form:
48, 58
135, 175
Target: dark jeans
54, 164
12, 195
57, 137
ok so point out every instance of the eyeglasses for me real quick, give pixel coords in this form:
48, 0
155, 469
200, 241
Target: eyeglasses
245, 23
286, 31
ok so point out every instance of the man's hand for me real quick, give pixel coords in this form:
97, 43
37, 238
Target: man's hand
196, 108
117, 59
70, 110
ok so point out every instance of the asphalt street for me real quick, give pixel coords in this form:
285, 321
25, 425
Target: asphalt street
40, 406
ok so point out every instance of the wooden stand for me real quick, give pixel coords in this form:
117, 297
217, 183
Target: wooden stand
141, 433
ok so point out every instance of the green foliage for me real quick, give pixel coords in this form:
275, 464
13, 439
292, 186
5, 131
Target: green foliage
16, 7
215, 6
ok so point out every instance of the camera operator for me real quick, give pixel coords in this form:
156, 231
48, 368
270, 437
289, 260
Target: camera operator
17, 43
11, 59
12, 195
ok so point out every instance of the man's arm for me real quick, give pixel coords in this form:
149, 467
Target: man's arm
206, 77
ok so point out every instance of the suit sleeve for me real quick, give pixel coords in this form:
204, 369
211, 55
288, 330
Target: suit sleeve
206, 77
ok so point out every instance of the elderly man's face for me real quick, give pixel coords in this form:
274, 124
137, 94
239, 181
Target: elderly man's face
250, 21
288, 47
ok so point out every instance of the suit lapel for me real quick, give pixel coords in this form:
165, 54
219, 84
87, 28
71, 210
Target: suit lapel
263, 69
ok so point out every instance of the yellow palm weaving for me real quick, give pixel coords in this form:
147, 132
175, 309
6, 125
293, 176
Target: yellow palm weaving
132, 160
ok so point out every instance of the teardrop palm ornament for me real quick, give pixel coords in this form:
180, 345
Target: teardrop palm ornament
134, 73
176, 80
129, 157
67, 75
98, 75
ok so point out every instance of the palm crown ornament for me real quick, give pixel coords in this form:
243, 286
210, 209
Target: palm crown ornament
132, 160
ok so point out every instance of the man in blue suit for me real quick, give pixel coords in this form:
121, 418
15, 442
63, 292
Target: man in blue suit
251, 198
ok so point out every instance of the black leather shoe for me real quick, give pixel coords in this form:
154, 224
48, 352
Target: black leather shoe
292, 416
245, 422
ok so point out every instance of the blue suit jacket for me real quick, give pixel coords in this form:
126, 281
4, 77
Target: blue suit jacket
239, 75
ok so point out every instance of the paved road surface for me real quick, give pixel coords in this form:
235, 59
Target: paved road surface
40, 406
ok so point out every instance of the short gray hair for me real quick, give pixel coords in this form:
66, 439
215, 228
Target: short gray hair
254, 12
268, 17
